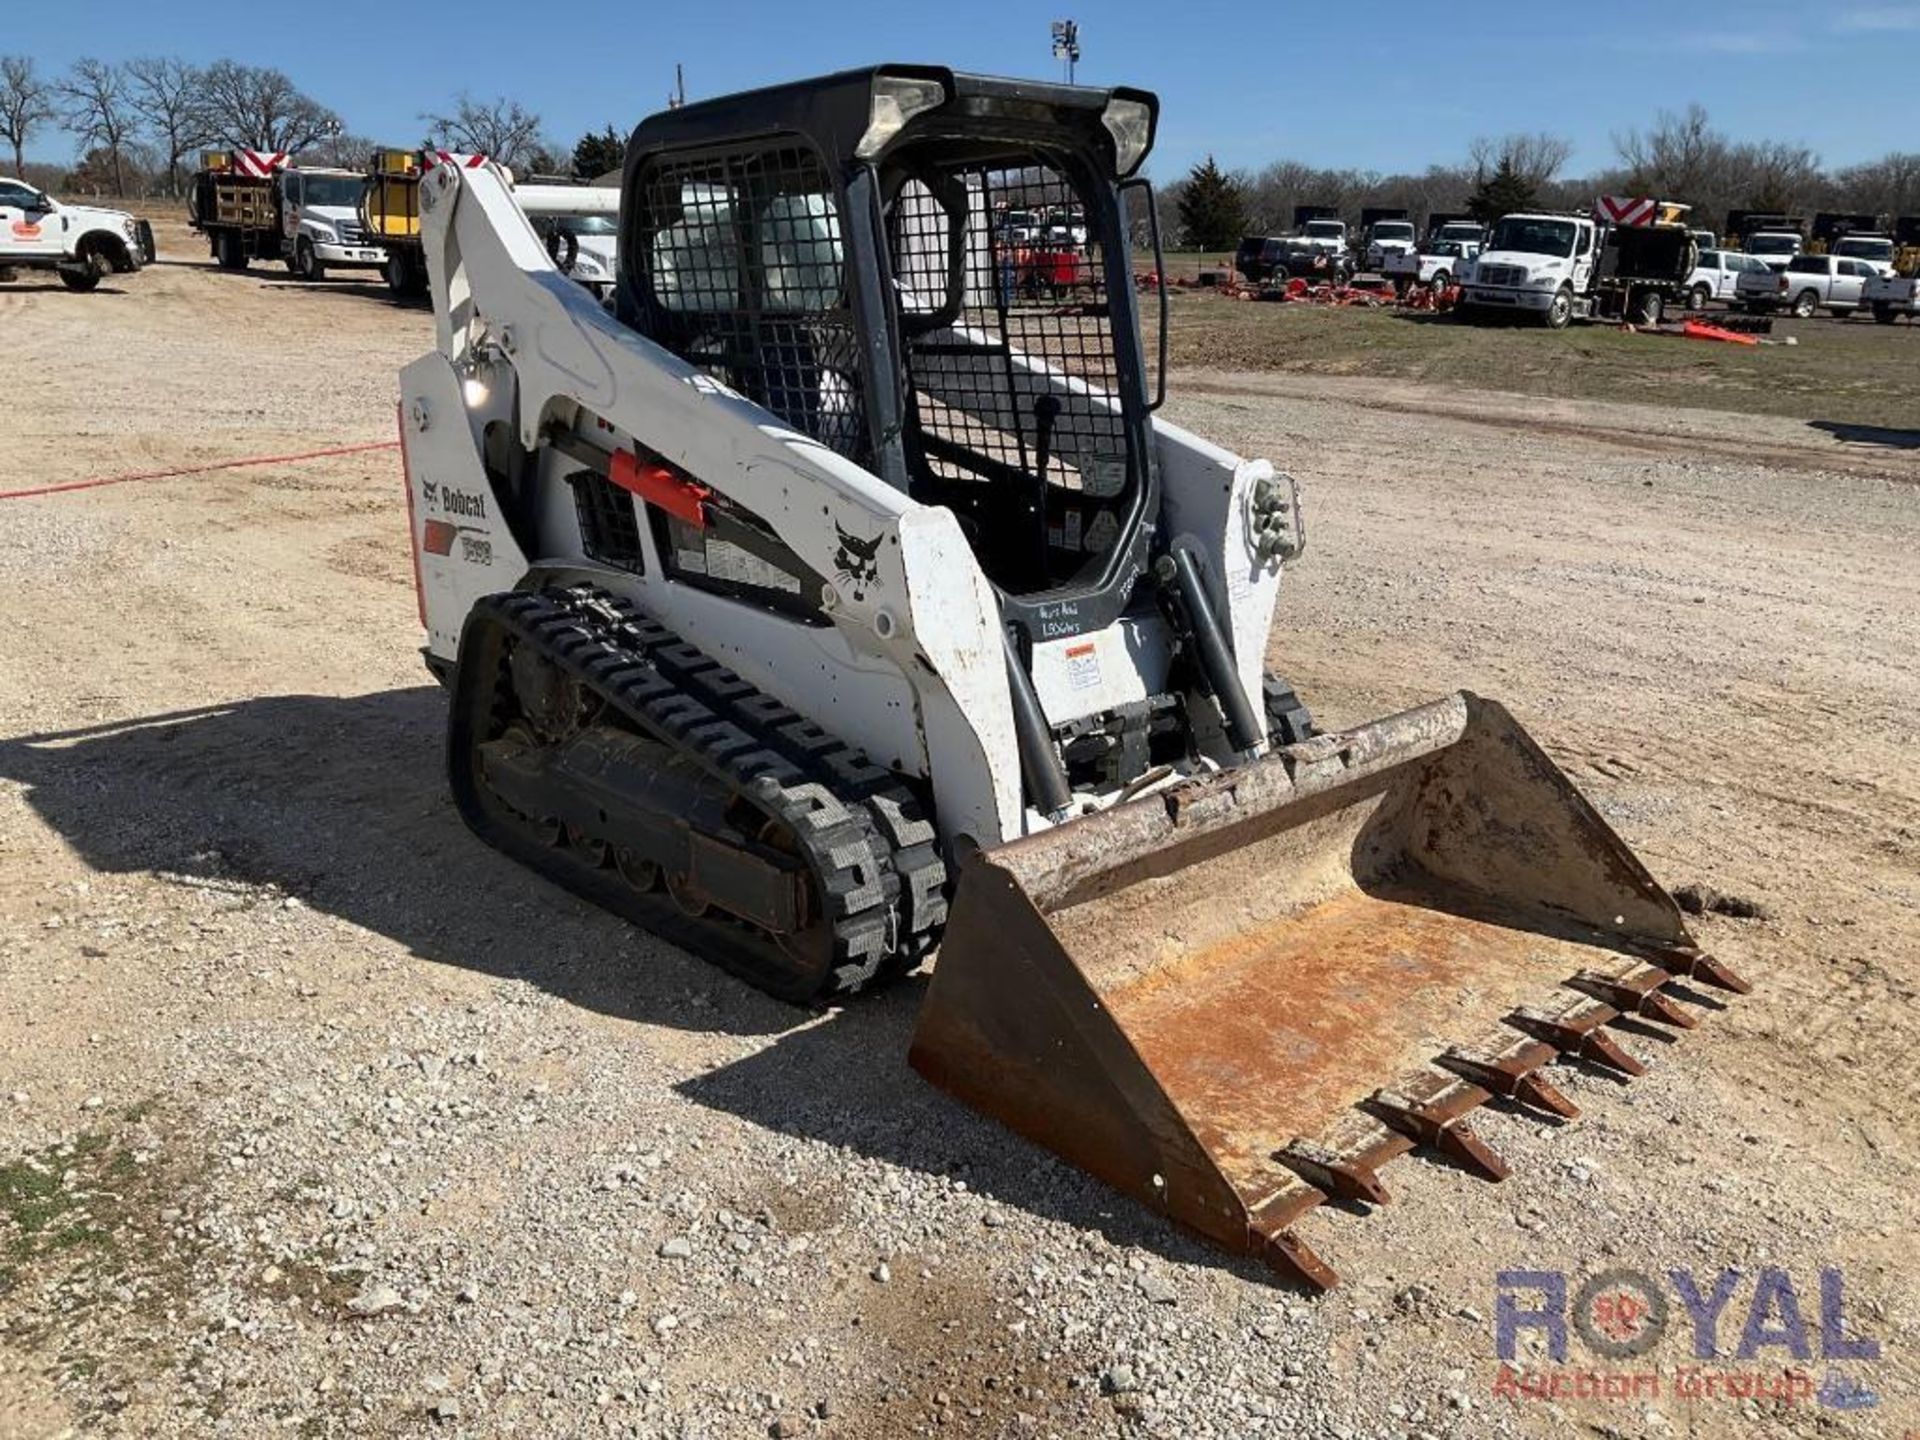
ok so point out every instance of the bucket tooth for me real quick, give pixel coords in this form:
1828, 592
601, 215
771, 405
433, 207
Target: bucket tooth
1286, 1256
1433, 1126
1338, 1175
1635, 994
1579, 1033
1695, 965
1512, 1076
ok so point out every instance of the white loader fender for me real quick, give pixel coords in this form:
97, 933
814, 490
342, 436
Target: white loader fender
462, 548
1207, 494
966, 710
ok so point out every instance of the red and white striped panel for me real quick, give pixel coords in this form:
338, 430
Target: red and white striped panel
460, 159
1627, 209
259, 163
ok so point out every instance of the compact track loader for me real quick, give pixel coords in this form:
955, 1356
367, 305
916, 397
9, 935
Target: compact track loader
842, 571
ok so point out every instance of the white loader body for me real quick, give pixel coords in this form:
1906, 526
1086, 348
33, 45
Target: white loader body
912, 668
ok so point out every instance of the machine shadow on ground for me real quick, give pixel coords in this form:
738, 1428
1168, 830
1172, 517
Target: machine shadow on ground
39, 287
342, 802
1892, 439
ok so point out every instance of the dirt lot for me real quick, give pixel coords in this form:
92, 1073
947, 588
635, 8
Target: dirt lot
319, 1118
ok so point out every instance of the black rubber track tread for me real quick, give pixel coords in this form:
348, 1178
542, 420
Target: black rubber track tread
873, 853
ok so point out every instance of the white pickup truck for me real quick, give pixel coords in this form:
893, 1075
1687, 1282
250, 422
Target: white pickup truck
81, 244
1435, 264
1891, 296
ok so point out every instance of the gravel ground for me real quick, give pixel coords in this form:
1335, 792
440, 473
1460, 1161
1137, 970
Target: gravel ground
317, 1117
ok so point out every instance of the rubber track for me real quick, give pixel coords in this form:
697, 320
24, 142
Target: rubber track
863, 835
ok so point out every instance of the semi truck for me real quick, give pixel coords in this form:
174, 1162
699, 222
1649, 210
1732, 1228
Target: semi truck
252, 205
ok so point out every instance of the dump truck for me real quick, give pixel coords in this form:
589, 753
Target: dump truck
1832, 226
828, 602
1385, 231
253, 205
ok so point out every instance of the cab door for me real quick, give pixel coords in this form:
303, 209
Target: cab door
1584, 256
290, 190
1849, 282
27, 226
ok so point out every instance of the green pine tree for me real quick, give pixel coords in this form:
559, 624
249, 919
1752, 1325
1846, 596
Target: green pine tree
598, 153
1213, 208
1501, 193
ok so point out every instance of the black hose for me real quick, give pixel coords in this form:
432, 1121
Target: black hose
1040, 767
1180, 574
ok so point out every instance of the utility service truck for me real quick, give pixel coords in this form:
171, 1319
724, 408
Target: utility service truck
1628, 260
82, 244
252, 205
390, 212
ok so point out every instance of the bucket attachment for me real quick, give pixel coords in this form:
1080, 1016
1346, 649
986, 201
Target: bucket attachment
1242, 995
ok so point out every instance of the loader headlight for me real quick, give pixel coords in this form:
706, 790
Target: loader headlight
1130, 122
896, 100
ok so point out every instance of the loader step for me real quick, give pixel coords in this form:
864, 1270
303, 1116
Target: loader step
594, 745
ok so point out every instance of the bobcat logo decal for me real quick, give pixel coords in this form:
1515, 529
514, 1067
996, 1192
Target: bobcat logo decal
854, 565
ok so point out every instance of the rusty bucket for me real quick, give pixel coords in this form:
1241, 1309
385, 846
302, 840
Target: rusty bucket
1239, 996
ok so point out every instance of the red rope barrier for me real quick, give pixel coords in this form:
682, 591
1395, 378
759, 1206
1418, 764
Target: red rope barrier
200, 469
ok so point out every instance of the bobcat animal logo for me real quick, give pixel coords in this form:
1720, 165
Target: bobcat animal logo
430, 491
854, 562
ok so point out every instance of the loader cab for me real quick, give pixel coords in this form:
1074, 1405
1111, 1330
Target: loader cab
869, 256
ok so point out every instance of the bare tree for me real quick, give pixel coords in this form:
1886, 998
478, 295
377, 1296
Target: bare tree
1680, 156
256, 108
1778, 175
26, 103
499, 129
340, 150
1535, 158
170, 96
1888, 186
99, 110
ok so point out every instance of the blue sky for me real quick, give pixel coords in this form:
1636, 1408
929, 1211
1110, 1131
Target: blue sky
1313, 82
